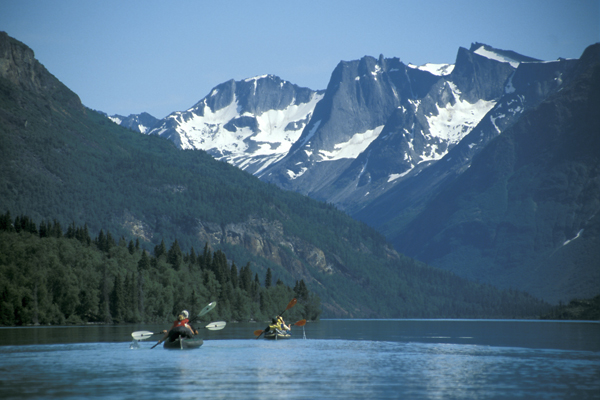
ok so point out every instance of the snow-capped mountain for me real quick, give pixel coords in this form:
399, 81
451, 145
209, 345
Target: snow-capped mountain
382, 121
379, 121
136, 122
250, 123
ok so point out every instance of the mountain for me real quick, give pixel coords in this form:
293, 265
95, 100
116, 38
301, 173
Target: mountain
382, 121
64, 162
141, 123
250, 124
378, 122
525, 214
386, 139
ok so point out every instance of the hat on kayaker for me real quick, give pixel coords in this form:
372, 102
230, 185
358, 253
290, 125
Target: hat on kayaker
185, 313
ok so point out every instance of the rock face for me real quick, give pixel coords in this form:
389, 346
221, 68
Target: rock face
267, 239
19, 66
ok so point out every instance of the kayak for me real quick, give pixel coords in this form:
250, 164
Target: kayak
183, 343
277, 335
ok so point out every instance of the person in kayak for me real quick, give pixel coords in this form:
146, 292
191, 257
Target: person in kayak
180, 328
277, 324
282, 325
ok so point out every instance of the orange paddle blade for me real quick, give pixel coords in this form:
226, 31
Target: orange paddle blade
291, 304
258, 332
302, 322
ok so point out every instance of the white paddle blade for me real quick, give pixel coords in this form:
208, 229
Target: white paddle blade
208, 308
216, 326
141, 335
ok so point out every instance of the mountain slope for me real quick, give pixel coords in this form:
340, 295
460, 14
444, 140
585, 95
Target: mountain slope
525, 214
63, 161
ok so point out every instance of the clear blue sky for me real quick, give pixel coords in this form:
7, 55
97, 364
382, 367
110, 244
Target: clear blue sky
127, 56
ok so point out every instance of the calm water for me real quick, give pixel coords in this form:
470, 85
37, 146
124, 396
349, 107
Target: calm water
340, 359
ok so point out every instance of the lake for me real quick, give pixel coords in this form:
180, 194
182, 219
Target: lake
329, 359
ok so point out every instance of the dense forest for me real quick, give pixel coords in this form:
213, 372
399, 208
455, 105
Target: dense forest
51, 276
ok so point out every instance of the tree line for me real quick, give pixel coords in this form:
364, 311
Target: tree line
53, 276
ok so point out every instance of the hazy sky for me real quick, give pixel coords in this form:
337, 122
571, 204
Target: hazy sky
125, 57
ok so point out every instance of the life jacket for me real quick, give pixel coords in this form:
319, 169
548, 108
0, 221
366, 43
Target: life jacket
274, 327
177, 323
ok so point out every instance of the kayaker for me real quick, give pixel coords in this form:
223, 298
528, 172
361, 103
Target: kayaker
277, 324
282, 325
180, 328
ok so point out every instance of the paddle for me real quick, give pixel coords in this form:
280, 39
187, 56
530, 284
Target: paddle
216, 326
259, 332
141, 335
207, 309
204, 311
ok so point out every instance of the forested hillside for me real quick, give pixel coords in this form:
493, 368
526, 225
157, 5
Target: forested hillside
63, 162
48, 276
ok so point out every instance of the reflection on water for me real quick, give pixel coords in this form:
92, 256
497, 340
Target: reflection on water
339, 359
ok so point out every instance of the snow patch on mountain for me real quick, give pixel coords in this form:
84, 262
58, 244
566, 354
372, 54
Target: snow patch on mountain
492, 55
116, 119
435, 69
266, 141
353, 147
294, 175
204, 131
393, 177
455, 120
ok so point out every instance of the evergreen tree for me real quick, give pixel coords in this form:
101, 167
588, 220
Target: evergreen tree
6, 222
105, 297
131, 247
246, 278
160, 249
301, 290
71, 231
219, 267
43, 230
174, 256
206, 257
101, 241
268, 278
117, 301
110, 242
234, 275
56, 230
144, 263
193, 259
